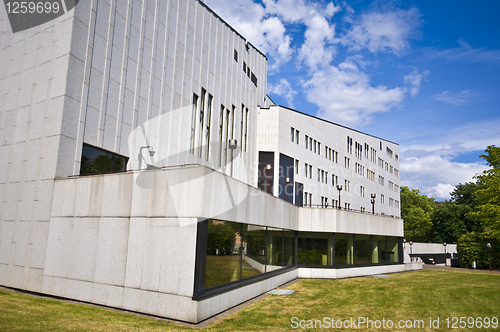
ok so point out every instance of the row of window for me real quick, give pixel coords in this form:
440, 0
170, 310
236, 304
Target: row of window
229, 252
201, 119
246, 69
308, 199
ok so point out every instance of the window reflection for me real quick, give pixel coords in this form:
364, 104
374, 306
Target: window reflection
344, 249
289, 245
392, 249
254, 252
379, 253
95, 161
362, 249
274, 248
223, 253
314, 249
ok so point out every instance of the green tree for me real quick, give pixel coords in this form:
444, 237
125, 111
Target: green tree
416, 211
488, 193
453, 218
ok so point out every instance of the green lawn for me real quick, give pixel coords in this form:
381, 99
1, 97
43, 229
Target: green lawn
406, 296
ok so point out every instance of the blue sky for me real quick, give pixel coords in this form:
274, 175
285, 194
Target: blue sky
424, 74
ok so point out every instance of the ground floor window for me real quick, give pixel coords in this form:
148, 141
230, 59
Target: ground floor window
231, 254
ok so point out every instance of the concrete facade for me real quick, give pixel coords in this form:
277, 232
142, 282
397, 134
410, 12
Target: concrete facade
120, 75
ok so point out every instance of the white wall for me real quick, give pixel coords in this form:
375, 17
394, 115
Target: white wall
34, 67
141, 62
274, 135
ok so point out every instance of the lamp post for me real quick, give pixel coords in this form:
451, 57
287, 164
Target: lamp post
488, 245
269, 168
287, 182
444, 245
373, 203
411, 251
339, 188
233, 144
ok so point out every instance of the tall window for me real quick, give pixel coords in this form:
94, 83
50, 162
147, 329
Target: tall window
246, 130
193, 122
221, 133
242, 127
292, 134
202, 118
209, 120
228, 115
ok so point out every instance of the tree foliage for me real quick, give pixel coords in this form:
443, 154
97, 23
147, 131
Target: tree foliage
453, 218
416, 211
471, 247
488, 193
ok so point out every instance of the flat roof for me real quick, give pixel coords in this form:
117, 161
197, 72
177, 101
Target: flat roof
330, 122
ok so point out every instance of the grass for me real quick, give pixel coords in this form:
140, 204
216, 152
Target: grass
414, 295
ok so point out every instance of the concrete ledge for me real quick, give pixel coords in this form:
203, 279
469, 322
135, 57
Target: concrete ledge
316, 273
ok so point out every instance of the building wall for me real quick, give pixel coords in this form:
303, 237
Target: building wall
34, 67
274, 134
117, 75
141, 62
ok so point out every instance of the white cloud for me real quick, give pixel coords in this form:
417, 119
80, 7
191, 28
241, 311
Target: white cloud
436, 175
415, 80
283, 89
429, 166
266, 32
344, 94
317, 49
459, 98
383, 31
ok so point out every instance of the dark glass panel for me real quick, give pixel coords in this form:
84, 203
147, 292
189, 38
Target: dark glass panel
392, 249
363, 249
289, 254
344, 246
274, 248
96, 161
379, 252
254, 251
223, 263
315, 249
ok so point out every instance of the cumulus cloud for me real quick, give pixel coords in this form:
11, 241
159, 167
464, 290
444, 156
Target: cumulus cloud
436, 175
251, 19
383, 31
283, 89
430, 166
459, 98
344, 94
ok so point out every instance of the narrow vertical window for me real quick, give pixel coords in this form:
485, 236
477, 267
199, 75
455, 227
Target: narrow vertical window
292, 134
209, 120
235, 55
296, 166
221, 133
228, 114
232, 121
193, 122
242, 127
246, 130
307, 142
297, 135
202, 118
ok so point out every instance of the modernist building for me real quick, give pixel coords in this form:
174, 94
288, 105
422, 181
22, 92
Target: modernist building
143, 167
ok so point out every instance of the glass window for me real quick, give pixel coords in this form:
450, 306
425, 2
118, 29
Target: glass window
392, 249
223, 253
314, 249
379, 254
363, 254
344, 246
289, 246
254, 251
274, 248
98, 161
